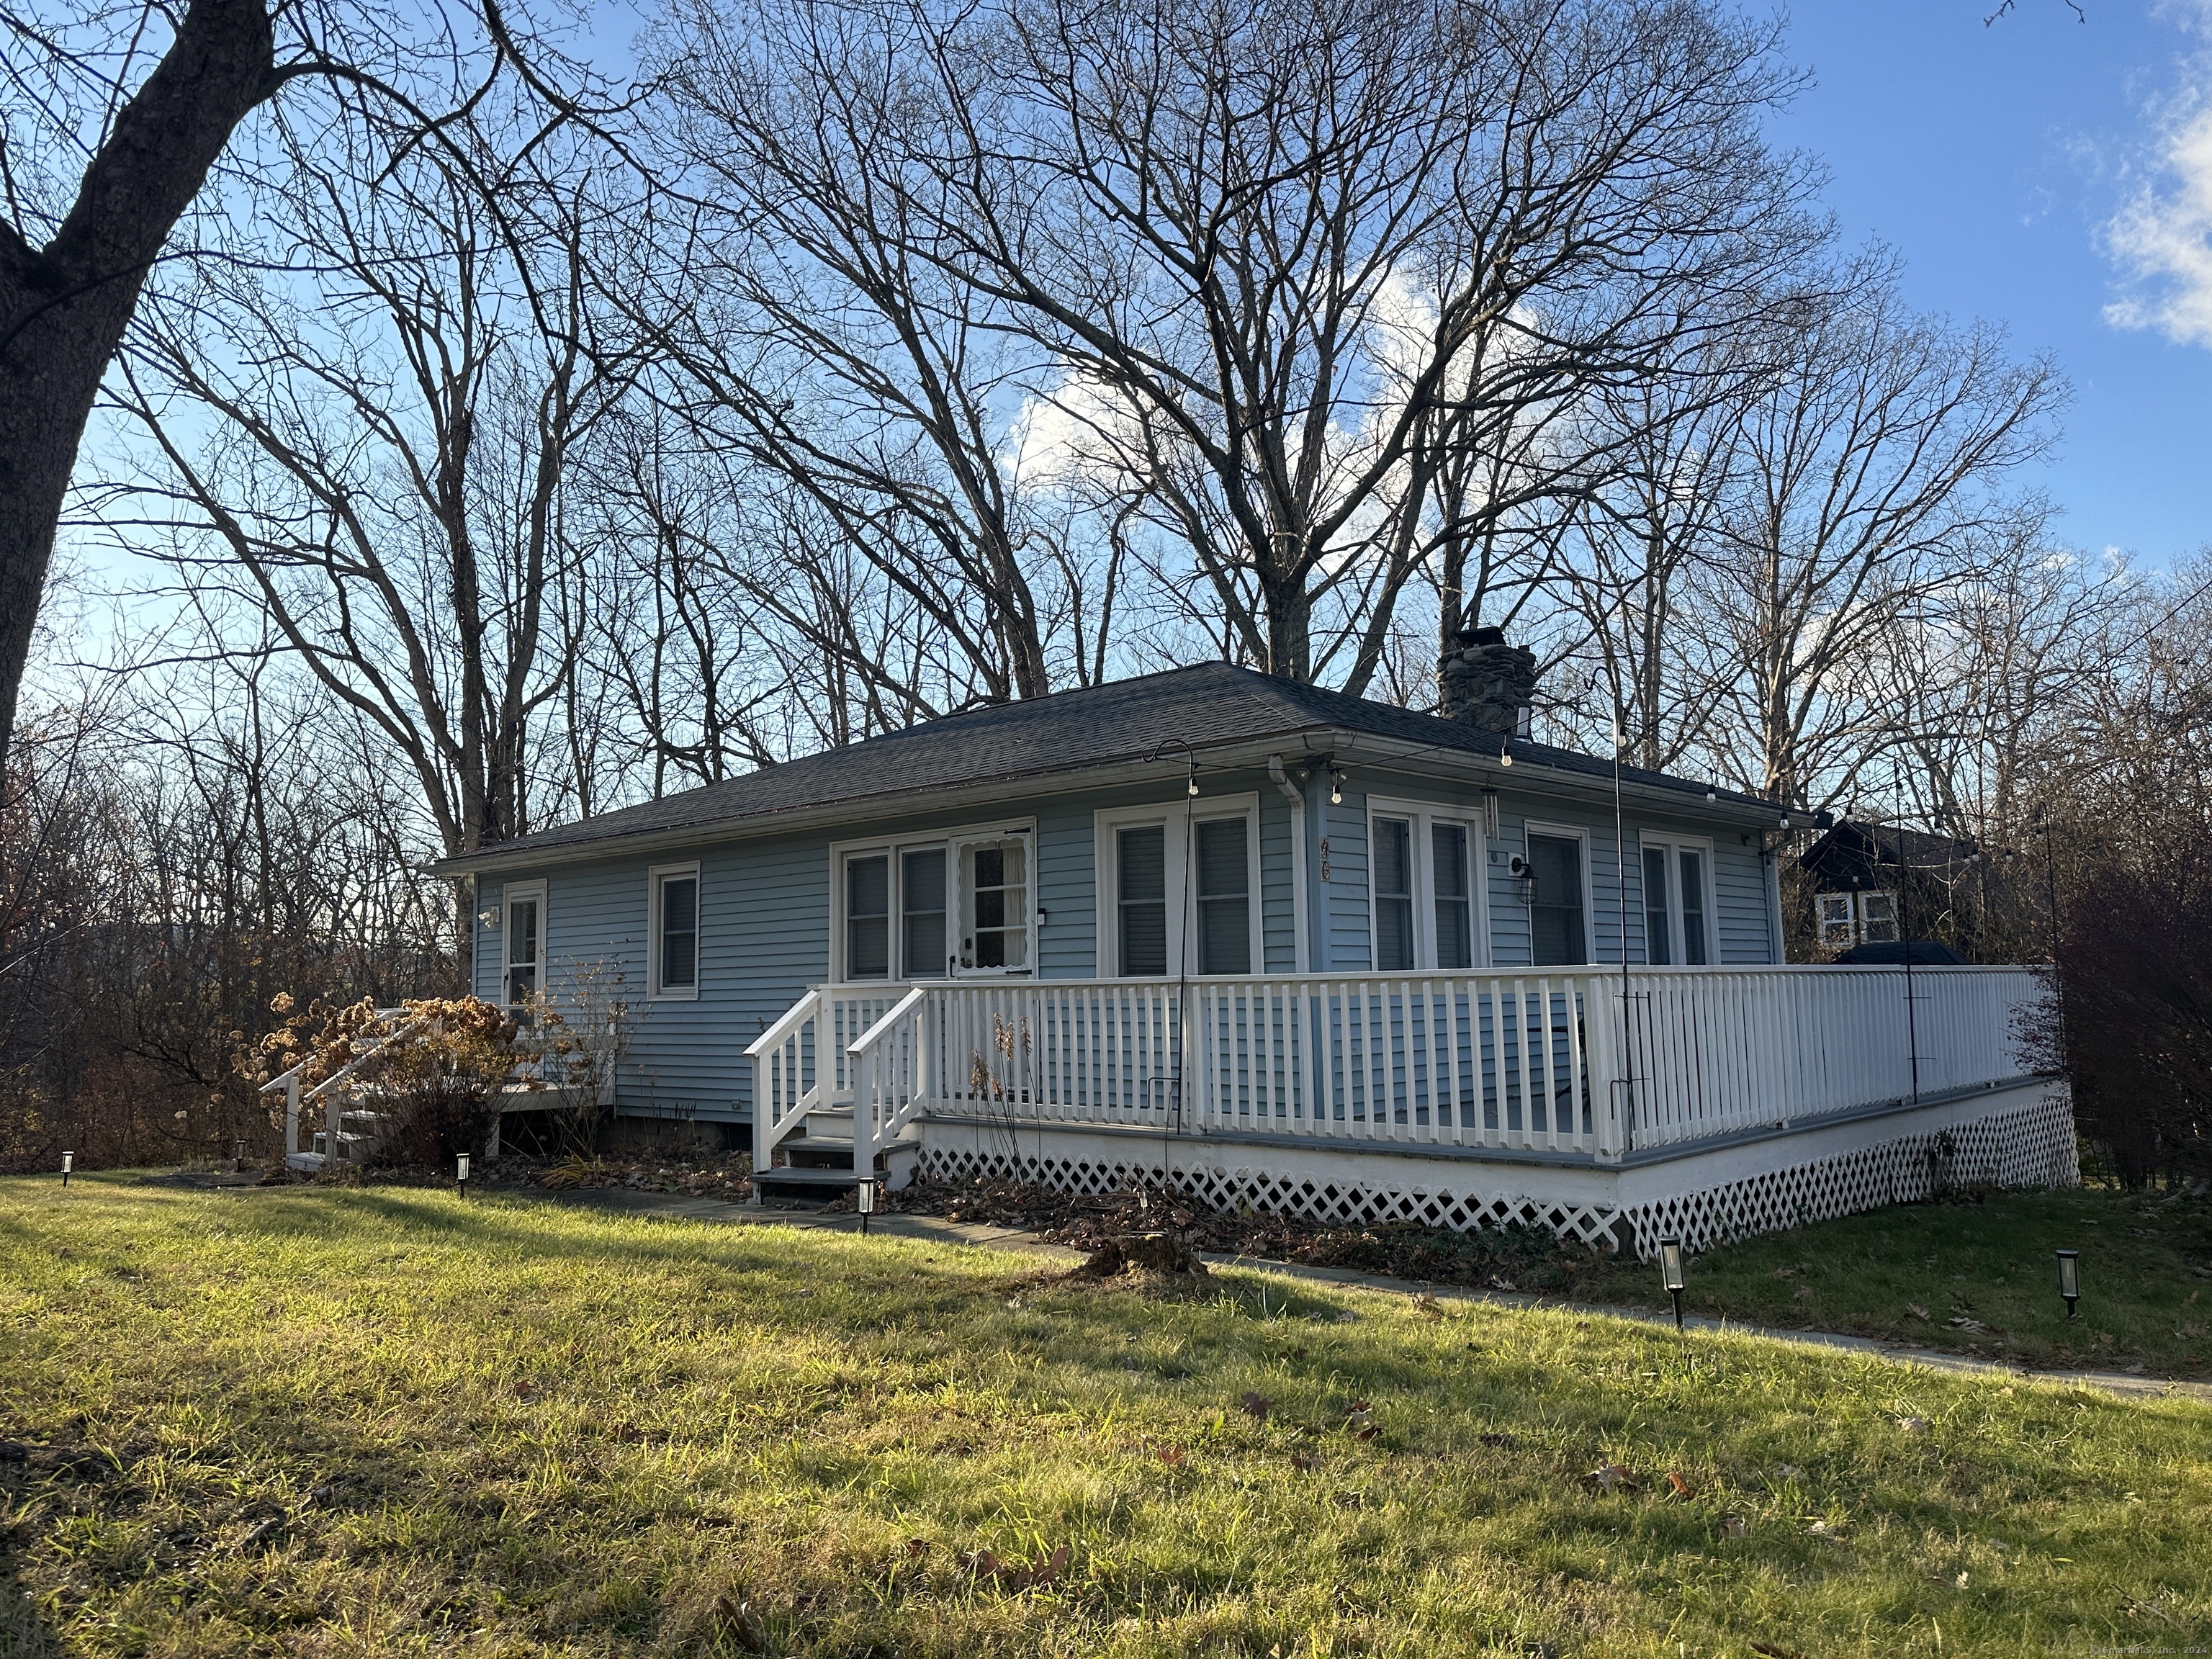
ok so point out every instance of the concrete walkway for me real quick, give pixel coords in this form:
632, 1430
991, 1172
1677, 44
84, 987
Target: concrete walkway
935, 1230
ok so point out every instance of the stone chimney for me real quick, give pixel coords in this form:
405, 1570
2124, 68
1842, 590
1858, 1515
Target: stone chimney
1487, 683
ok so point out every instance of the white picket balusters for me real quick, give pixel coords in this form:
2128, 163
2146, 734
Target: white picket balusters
1584, 1061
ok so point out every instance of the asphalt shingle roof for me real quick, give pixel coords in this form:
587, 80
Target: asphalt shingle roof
1207, 705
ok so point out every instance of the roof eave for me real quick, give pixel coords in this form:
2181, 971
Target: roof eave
1529, 772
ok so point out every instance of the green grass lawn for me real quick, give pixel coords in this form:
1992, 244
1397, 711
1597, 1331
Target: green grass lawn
1974, 1277
379, 1421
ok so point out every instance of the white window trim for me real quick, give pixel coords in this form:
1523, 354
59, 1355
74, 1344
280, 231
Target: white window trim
509, 895
1424, 816
1675, 846
1581, 833
655, 991
894, 848
1177, 815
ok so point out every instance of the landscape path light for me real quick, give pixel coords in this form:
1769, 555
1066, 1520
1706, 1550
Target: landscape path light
68, 1159
865, 1196
461, 1181
2069, 1278
1670, 1274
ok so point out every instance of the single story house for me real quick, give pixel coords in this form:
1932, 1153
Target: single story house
1267, 944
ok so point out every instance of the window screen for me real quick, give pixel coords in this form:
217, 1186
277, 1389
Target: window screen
1455, 897
679, 933
1693, 908
922, 913
1555, 913
1394, 895
521, 949
999, 900
1878, 918
1224, 900
1658, 929
1141, 857
868, 917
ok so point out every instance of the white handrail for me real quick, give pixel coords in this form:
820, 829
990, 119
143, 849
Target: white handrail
288, 1081
888, 1062
1577, 1062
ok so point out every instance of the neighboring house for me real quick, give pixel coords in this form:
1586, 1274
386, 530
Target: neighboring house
1860, 873
972, 946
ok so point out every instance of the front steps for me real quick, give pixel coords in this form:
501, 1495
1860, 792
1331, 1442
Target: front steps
814, 1162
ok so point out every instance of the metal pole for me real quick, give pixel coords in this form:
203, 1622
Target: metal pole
1905, 932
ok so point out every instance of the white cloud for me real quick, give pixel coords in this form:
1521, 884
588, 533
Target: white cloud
2162, 240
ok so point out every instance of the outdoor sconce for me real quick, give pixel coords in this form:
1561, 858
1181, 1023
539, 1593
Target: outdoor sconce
1670, 1274
1525, 873
68, 1160
461, 1181
2069, 1278
864, 1196
489, 920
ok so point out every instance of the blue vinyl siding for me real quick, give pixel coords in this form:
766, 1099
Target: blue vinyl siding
765, 911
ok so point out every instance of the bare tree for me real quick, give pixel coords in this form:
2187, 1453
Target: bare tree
114, 120
1253, 243
816, 344
1868, 482
377, 459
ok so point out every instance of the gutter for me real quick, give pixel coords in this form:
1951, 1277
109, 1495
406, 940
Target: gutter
1530, 774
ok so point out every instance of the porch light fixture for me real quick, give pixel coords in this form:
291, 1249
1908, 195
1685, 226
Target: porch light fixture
1336, 785
68, 1160
864, 1197
488, 919
2069, 1278
461, 1181
1670, 1274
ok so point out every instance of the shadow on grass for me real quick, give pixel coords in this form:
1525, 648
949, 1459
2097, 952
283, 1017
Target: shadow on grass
24, 1634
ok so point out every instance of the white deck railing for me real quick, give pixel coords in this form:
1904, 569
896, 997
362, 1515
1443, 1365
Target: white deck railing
1582, 1062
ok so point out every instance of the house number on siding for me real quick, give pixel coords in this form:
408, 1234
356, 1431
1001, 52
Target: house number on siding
1324, 858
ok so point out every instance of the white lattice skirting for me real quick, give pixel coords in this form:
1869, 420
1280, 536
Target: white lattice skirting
2020, 1136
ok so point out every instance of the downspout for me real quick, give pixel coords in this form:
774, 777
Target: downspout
1301, 901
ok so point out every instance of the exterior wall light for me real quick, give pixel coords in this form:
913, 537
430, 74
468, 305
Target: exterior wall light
1670, 1274
2069, 1278
461, 1179
488, 919
69, 1160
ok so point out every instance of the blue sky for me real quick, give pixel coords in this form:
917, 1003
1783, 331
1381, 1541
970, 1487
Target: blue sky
2054, 176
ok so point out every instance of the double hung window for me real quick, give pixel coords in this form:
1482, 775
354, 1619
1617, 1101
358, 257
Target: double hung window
922, 915
1677, 902
1141, 901
1559, 934
523, 943
1849, 919
952, 905
1449, 847
1178, 888
1421, 871
673, 947
1224, 895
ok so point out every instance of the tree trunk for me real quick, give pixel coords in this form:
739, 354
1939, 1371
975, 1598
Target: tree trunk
63, 308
